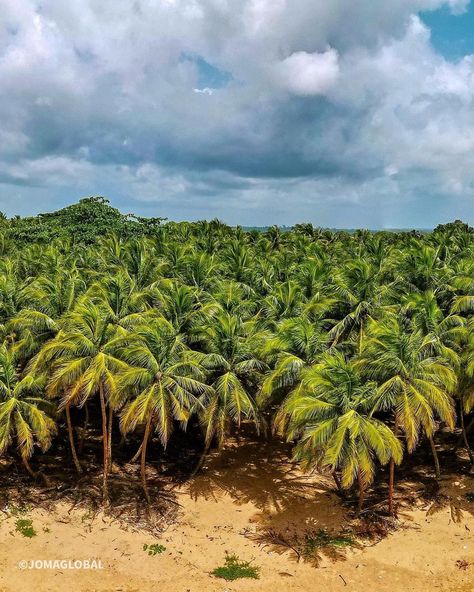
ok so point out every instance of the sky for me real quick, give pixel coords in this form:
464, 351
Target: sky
348, 113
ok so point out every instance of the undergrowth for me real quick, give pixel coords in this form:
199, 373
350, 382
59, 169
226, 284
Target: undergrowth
155, 549
314, 542
234, 569
25, 527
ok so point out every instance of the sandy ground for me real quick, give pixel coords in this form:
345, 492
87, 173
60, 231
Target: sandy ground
227, 508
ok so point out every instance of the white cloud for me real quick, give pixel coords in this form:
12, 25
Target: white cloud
204, 91
458, 6
308, 74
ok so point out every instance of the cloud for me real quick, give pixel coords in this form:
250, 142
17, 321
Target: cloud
458, 6
200, 108
308, 74
204, 91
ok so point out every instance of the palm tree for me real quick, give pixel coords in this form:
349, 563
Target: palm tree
47, 300
82, 364
297, 345
163, 381
465, 391
422, 267
23, 411
238, 261
139, 259
361, 293
12, 290
330, 417
445, 330
235, 372
117, 294
283, 302
184, 307
413, 384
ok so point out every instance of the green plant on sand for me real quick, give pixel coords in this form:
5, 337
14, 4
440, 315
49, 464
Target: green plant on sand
234, 569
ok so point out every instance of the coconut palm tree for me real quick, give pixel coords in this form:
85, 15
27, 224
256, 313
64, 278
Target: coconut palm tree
361, 294
465, 391
24, 414
163, 381
284, 301
82, 364
184, 307
47, 300
235, 369
330, 417
296, 346
445, 330
414, 385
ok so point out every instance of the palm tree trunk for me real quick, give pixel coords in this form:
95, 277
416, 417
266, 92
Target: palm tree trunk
35, 475
360, 502
337, 480
391, 486
464, 434
361, 337
461, 437
435, 458
84, 428
109, 443
202, 460
391, 476
143, 458
136, 456
105, 441
71, 440
470, 426
28, 468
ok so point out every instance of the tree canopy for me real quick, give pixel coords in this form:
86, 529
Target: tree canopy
356, 347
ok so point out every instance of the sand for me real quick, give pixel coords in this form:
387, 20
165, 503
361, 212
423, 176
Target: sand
228, 508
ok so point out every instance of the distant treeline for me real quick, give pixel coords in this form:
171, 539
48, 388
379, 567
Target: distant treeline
93, 218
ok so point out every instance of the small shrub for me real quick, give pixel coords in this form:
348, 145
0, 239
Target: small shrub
235, 569
154, 549
322, 540
25, 527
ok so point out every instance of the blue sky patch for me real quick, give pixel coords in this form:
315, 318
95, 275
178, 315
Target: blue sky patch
452, 35
209, 76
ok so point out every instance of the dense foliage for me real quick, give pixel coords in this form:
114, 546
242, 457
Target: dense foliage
357, 347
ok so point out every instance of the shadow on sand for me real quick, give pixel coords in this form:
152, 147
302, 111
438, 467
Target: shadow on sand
125, 503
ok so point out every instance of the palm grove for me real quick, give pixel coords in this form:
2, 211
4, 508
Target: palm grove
355, 347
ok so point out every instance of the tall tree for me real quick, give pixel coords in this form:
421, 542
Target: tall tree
82, 364
235, 371
330, 416
415, 385
24, 413
163, 381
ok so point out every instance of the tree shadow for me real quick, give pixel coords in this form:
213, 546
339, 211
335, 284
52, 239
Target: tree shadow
260, 472
124, 504
415, 484
310, 545
294, 512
